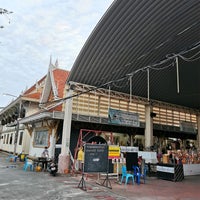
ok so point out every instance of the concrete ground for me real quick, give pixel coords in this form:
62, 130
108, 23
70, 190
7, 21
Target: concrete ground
17, 184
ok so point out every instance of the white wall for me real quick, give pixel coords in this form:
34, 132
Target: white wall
37, 151
191, 169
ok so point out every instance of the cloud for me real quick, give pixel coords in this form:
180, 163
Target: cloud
39, 29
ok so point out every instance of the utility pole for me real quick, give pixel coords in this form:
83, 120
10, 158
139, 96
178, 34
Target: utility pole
17, 127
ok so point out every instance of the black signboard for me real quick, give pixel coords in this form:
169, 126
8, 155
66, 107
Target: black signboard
96, 158
131, 160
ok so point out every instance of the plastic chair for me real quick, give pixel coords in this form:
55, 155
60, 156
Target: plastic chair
126, 175
27, 164
138, 174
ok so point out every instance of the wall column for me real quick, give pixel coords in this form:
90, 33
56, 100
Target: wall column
64, 157
198, 131
148, 127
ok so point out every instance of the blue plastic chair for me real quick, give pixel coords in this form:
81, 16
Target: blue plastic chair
138, 174
27, 164
126, 175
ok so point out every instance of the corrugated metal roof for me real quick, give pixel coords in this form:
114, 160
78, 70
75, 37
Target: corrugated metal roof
133, 36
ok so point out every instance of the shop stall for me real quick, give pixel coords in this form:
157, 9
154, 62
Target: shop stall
170, 172
189, 159
191, 163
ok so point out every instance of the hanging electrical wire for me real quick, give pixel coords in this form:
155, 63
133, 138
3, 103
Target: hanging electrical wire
120, 86
190, 59
170, 57
162, 68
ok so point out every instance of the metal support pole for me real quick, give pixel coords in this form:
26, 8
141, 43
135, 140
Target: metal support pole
130, 89
177, 75
148, 84
16, 137
17, 128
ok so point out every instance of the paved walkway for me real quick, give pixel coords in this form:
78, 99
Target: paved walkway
16, 184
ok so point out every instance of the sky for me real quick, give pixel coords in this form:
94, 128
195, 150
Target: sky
38, 30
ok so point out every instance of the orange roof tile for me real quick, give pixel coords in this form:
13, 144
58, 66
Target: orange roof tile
35, 92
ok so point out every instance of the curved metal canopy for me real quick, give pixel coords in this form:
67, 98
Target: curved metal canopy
151, 45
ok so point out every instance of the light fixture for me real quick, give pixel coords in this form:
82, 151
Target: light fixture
7, 94
152, 114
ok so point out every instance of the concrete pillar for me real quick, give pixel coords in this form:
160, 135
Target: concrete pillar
198, 131
149, 127
64, 157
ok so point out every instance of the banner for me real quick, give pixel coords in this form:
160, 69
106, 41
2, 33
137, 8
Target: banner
123, 118
187, 127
